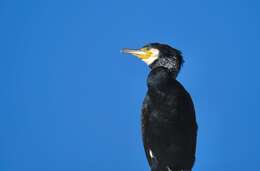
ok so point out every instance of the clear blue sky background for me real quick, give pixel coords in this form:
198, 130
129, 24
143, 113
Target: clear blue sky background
71, 101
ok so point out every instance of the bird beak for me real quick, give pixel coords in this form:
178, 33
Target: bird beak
136, 52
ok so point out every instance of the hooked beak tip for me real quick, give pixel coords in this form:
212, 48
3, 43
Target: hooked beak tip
125, 50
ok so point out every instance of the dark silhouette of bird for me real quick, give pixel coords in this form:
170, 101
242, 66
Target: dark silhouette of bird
169, 127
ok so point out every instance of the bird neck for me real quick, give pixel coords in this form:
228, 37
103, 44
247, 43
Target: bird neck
169, 63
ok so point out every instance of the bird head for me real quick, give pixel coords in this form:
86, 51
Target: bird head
156, 55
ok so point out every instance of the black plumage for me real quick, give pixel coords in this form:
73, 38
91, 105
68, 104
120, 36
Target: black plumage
169, 127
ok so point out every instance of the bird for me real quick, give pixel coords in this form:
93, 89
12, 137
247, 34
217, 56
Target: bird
168, 120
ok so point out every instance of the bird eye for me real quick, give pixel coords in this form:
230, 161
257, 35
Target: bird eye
145, 49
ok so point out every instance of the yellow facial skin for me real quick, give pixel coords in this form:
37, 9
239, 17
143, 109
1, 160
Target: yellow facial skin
147, 53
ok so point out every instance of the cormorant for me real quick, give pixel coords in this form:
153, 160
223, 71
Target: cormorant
169, 127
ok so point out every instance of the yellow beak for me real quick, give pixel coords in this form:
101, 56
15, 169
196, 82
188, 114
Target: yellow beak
137, 52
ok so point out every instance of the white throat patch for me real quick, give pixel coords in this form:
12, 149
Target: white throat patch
153, 57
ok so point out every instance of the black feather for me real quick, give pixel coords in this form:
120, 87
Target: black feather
169, 125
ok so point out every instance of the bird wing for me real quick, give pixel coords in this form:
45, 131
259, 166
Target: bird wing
168, 122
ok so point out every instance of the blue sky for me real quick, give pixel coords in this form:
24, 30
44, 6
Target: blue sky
71, 101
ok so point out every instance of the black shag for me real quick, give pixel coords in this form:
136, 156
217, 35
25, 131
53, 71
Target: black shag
169, 127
